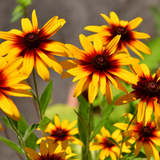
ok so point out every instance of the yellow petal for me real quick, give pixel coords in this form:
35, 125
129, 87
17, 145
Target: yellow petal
95, 78
114, 18
64, 123
141, 110
147, 149
140, 35
42, 69
33, 154
154, 151
92, 92
57, 121
108, 93
137, 147
145, 70
69, 64
135, 23
103, 83
34, 21
73, 131
86, 44
113, 155
7, 36
107, 18
43, 148
98, 44
71, 125
26, 25
93, 28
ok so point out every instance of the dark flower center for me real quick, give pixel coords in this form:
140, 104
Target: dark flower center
151, 87
120, 30
60, 133
109, 144
31, 40
52, 157
146, 131
100, 62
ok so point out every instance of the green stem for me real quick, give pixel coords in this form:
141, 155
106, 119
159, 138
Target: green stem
88, 131
18, 135
123, 139
37, 96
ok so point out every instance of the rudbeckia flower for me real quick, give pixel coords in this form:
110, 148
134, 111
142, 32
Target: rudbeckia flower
147, 90
97, 67
125, 29
60, 131
50, 151
12, 84
146, 135
35, 46
107, 147
1, 129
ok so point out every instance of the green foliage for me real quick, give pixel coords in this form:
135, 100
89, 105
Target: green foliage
43, 123
11, 144
20, 9
45, 97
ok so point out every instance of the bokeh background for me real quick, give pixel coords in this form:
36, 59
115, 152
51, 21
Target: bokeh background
78, 14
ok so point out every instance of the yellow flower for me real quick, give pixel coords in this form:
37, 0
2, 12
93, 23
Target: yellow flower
60, 131
106, 146
97, 67
147, 90
124, 28
35, 46
12, 84
146, 135
50, 151
1, 129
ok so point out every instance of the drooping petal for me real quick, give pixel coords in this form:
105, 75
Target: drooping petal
33, 154
137, 147
141, 111
108, 93
92, 92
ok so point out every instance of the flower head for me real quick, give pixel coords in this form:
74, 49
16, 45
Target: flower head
12, 84
124, 28
107, 147
146, 135
33, 44
97, 67
50, 151
147, 90
60, 131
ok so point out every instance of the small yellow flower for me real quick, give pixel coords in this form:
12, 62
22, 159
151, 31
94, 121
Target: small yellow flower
60, 131
35, 46
146, 135
50, 151
106, 146
12, 84
97, 67
124, 28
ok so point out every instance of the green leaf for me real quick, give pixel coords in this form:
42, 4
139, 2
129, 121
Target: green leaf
43, 123
5, 121
34, 95
100, 124
17, 9
25, 3
11, 144
46, 96
32, 138
29, 130
17, 16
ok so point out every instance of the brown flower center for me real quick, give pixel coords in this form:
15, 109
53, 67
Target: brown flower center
146, 131
120, 30
60, 133
31, 40
109, 144
151, 87
100, 62
52, 157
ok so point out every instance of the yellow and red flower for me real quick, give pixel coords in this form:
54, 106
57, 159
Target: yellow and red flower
97, 67
147, 90
146, 135
35, 46
107, 147
50, 151
60, 131
124, 28
12, 84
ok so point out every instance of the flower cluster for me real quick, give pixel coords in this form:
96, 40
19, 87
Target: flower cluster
102, 65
